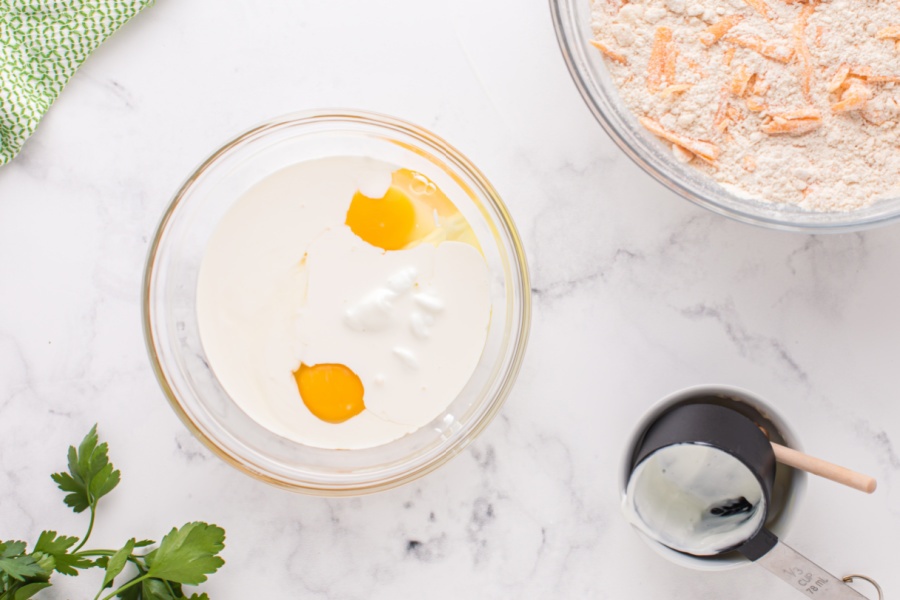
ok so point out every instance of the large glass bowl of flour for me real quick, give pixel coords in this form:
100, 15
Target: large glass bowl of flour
173, 335
572, 20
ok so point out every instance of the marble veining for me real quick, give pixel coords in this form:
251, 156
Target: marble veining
637, 293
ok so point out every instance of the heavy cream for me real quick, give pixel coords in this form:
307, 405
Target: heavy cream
285, 282
695, 499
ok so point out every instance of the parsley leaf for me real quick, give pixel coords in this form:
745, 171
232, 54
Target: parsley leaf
156, 589
16, 564
10, 549
91, 476
21, 567
49, 544
132, 593
188, 555
117, 563
30, 589
152, 589
185, 556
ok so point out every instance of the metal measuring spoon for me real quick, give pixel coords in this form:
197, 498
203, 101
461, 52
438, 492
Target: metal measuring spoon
701, 483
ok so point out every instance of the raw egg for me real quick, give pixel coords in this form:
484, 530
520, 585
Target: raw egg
332, 392
385, 222
412, 211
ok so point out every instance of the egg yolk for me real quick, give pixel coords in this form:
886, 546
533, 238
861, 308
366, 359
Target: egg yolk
332, 392
413, 211
385, 222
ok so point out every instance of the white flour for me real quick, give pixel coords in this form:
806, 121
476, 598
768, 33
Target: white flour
833, 161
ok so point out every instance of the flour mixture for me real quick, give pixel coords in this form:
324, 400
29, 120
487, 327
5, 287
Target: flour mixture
780, 100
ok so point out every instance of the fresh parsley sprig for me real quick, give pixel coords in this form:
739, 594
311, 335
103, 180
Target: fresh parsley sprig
185, 556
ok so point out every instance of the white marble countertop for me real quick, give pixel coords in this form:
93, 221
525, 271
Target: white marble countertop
637, 293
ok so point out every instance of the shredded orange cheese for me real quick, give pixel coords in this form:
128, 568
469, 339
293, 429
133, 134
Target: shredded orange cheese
853, 97
891, 32
663, 56
802, 50
721, 121
780, 52
703, 149
802, 120
740, 81
820, 40
760, 86
728, 56
715, 31
838, 78
609, 52
756, 105
883, 78
678, 88
851, 85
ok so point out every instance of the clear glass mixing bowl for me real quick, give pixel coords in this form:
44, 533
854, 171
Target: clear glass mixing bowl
170, 319
572, 20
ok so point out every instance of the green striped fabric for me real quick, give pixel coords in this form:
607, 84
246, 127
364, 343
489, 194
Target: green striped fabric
42, 43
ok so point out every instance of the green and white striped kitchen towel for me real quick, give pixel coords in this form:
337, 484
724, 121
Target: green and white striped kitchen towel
42, 43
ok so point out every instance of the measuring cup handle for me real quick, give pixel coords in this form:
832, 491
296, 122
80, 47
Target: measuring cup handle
759, 545
802, 574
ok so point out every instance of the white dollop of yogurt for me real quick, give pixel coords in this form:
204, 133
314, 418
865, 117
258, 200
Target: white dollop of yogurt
373, 313
695, 499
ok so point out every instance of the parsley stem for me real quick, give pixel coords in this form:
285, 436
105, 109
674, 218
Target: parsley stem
89, 530
86, 553
134, 581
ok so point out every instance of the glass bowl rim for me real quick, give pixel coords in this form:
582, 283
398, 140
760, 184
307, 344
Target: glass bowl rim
520, 287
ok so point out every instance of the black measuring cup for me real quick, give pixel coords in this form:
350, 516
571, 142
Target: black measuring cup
711, 429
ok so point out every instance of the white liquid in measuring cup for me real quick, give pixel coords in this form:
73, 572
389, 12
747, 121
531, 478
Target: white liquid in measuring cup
695, 499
